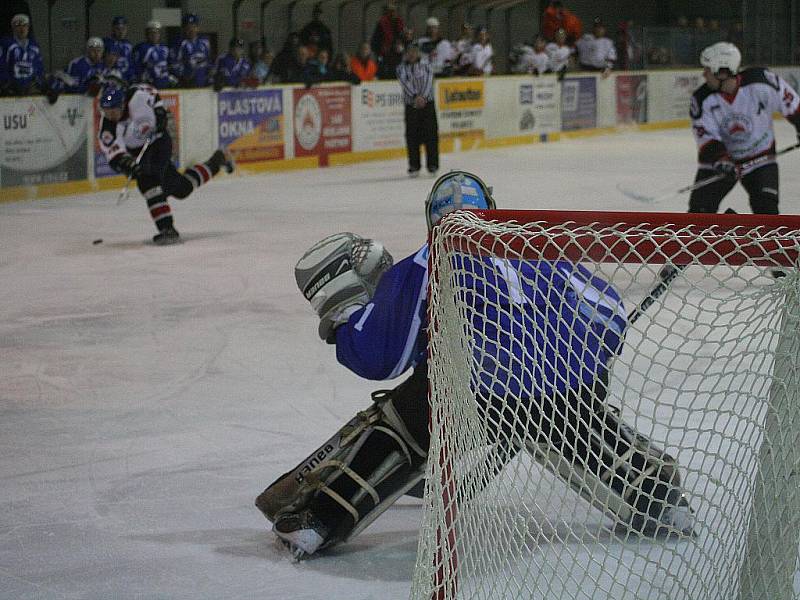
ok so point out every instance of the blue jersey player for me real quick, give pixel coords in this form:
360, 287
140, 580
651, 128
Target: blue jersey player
191, 57
118, 45
83, 74
151, 59
556, 322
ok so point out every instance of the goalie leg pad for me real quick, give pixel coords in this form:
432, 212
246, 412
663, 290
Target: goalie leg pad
377, 462
603, 459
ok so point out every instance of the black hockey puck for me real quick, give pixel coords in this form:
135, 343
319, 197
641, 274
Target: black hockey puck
98, 241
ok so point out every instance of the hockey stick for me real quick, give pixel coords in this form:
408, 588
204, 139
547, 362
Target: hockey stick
125, 192
698, 184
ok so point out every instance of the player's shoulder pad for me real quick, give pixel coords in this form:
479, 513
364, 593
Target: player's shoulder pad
698, 97
759, 75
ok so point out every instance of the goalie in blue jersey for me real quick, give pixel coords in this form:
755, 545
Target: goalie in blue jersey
549, 331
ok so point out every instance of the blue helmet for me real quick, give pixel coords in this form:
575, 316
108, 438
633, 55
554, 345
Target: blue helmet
190, 19
456, 190
112, 96
120, 20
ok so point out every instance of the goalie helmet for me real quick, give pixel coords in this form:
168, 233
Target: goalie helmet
722, 55
456, 190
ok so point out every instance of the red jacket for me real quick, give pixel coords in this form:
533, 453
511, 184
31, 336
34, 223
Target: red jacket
554, 19
365, 71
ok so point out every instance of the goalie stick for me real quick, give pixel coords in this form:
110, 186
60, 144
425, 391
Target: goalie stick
639, 197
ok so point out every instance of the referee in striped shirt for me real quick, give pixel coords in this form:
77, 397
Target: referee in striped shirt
416, 80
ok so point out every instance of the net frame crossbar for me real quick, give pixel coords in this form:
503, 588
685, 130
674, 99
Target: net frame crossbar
658, 238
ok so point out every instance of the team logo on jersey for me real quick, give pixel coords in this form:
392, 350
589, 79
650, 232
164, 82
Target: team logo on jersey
308, 122
737, 126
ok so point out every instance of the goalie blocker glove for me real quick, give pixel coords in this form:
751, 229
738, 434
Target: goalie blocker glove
338, 275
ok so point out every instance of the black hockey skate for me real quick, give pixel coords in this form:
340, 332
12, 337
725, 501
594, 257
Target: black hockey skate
224, 159
167, 237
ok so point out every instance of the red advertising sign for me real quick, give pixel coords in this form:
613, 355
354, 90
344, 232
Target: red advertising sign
631, 99
322, 122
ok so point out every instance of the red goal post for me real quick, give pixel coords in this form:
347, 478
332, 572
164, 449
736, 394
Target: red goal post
639, 237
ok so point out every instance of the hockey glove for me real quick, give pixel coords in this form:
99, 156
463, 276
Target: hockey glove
339, 275
725, 167
127, 165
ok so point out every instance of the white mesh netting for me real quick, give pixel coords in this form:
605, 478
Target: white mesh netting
679, 478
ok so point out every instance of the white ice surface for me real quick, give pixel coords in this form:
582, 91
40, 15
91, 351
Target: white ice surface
147, 395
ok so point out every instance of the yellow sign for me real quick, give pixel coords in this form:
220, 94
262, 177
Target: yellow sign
459, 95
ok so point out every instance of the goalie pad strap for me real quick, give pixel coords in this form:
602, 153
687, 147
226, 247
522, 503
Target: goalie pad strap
353, 475
341, 502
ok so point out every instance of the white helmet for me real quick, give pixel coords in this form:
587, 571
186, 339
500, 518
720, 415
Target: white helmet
153, 25
94, 42
722, 55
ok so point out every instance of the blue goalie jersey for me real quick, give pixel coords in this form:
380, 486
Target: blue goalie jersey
539, 327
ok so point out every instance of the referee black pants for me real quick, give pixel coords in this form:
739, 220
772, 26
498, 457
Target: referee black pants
422, 128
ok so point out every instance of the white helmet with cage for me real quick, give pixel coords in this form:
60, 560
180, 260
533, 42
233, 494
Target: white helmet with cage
722, 55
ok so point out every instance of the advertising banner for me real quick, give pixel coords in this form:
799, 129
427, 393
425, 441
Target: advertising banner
631, 99
171, 102
578, 103
43, 143
523, 105
322, 123
251, 124
378, 116
669, 94
461, 106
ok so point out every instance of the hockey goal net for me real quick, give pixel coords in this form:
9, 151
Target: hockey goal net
615, 407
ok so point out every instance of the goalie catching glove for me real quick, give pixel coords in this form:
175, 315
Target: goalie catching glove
338, 276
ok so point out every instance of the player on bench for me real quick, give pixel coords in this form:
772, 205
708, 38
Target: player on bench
374, 312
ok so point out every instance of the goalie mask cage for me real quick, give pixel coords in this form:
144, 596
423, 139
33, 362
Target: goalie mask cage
707, 374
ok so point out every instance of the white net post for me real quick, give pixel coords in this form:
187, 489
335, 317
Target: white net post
708, 379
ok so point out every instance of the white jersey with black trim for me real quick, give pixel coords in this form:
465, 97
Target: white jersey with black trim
742, 122
138, 123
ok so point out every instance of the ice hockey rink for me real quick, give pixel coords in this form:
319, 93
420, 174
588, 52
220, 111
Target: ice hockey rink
149, 394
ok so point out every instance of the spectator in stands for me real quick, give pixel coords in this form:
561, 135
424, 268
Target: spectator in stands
316, 35
232, 67
341, 69
387, 41
628, 50
557, 17
363, 65
318, 68
463, 45
560, 54
150, 59
699, 25
191, 57
83, 75
596, 52
520, 56
299, 70
681, 43
262, 60
479, 60
437, 50
9, 8
21, 66
736, 34
286, 59
119, 45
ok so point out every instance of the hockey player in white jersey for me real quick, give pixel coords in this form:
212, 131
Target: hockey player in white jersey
732, 123
135, 119
375, 313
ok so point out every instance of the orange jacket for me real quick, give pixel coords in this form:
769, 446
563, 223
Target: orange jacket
554, 19
365, 72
